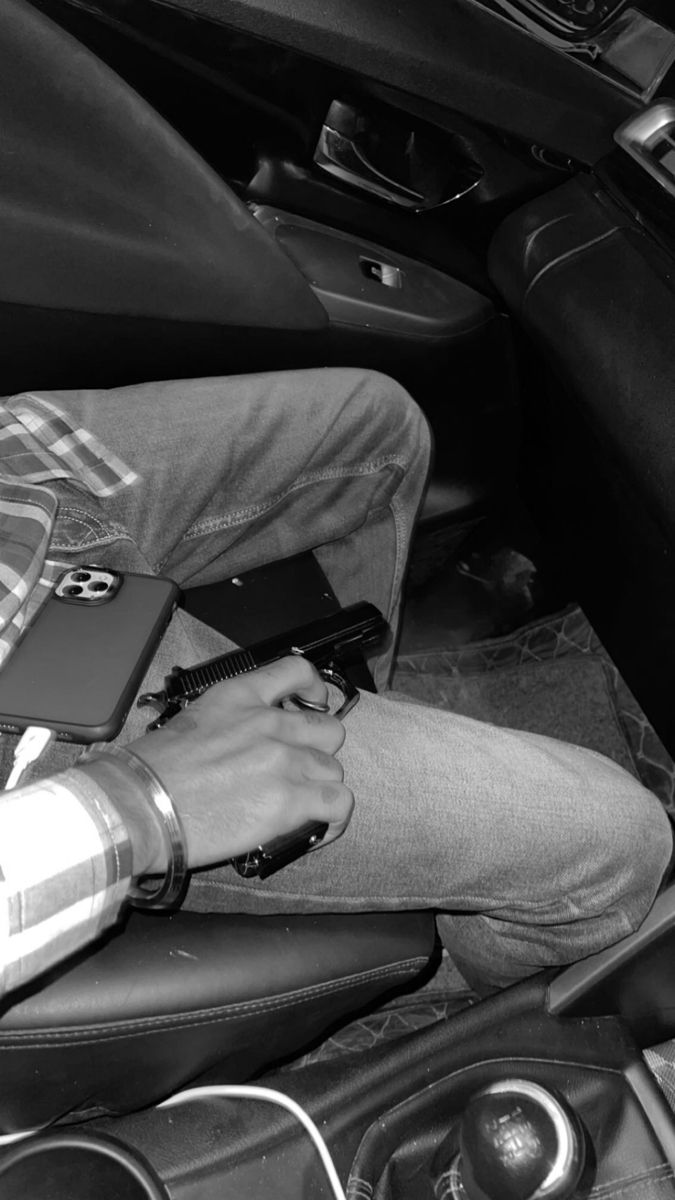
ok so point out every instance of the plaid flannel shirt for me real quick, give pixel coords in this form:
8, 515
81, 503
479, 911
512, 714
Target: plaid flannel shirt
65, 870
38, 445
65, 858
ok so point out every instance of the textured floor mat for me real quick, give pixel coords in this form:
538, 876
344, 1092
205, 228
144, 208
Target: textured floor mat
552, 676
571, 699
661, 1061
574, 707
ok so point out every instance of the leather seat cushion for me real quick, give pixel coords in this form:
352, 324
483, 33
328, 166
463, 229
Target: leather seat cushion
181, 995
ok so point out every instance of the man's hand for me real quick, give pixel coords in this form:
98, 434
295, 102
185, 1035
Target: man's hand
242, 770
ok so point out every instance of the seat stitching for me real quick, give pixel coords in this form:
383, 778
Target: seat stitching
566, 256
144, 1025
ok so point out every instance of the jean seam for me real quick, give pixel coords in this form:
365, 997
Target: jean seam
240, 516
93, 532
400, 553
446, 903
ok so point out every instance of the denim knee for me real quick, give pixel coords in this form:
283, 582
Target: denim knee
592, 891
619, 849
396, 420
636, 847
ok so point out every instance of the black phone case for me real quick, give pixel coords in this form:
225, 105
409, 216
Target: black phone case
78, 667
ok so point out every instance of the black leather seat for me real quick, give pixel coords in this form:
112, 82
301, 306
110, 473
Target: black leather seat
172, 998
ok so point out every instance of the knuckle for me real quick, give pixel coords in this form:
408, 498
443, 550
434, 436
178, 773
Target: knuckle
280, 757
327, 763
262, 722
272, 758
272, 722
338, 800
330, 794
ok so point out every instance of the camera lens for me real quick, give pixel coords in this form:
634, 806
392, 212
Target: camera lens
99, 586
80, 576
72, 590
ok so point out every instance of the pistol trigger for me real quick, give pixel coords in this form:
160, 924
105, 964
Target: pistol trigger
332, 674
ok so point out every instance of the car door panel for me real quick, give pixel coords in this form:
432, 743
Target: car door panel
454, 52
126, 257
109, 221
97, 190
255, 110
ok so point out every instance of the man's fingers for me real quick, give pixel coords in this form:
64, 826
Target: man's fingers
316, 766
330, 801
305, 728
286, 677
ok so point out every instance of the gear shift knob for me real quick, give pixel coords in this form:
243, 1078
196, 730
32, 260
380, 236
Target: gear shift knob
518, 1141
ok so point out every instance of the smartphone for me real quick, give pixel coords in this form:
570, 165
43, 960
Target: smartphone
79, 664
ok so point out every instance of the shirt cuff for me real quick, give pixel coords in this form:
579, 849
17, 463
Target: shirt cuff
65, 870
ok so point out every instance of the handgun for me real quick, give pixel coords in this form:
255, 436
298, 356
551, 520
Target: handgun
328, 643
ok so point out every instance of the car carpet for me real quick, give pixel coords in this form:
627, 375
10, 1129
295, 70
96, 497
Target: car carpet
551, 676
661, 1062
569, 698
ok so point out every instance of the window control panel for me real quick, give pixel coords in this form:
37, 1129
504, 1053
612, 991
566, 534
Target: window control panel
382, 272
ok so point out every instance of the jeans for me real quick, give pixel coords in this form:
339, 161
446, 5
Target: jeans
533, 852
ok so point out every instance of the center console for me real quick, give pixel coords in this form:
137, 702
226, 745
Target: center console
533, 1093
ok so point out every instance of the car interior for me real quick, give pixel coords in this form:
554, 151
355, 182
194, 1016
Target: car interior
475, 197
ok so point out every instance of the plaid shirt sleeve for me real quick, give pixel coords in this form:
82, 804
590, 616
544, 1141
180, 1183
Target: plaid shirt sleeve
65, 855
65, 870
38, 447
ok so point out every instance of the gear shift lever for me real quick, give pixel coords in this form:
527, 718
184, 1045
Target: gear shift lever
518, 1141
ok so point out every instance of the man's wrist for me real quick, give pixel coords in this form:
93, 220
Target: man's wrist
127, 795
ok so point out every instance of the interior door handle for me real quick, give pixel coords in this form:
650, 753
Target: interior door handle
340, 156
430, 171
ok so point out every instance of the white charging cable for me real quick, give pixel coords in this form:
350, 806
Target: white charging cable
8, 1139
31, 746
235, 1091
246, 1092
